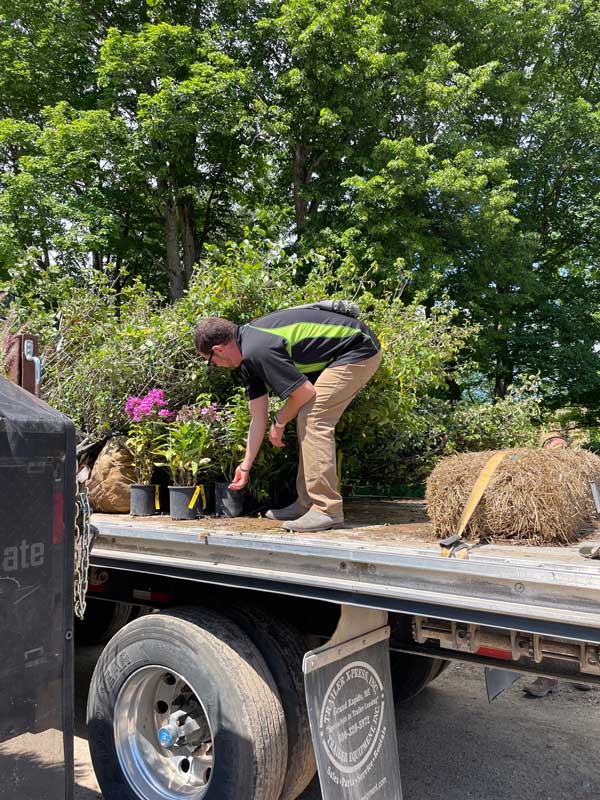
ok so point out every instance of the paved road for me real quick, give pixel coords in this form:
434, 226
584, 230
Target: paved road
454, 745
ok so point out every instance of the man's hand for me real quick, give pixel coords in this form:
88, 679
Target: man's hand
240, 478
276, 435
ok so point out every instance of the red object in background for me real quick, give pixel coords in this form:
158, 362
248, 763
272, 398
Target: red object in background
19, 369
555, 441
58, 522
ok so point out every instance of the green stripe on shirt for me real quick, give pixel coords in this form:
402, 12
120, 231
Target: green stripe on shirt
298, 331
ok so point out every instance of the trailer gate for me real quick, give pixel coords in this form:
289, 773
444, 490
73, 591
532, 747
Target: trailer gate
37, 500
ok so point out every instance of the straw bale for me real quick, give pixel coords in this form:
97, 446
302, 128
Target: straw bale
539, 496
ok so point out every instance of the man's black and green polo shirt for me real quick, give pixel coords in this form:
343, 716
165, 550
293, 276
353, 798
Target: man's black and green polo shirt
283, 349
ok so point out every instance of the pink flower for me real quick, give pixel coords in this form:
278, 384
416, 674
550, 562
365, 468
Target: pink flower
164, 412
210, 412
157, 397
131, 406
138, 408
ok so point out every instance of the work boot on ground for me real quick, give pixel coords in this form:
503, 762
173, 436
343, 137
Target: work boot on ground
314, 521
293, 511
541, 687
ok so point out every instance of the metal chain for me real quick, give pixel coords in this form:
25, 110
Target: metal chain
84, 536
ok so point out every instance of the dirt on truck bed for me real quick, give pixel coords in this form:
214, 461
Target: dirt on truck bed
376, 522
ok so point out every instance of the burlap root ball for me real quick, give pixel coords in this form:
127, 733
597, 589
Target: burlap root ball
112, 475
539, 496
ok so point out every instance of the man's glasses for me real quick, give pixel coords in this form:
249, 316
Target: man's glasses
210, 358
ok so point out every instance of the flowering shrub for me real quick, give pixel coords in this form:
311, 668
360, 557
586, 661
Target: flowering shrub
149, 416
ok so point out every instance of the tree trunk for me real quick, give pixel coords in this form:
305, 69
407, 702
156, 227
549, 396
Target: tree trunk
504, 363
189, 239
173, 262
206, 224
501, 384
503, 373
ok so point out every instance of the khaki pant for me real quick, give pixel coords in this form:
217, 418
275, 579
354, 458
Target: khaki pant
317, 482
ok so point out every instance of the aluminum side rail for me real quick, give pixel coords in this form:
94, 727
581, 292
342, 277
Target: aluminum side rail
552, 599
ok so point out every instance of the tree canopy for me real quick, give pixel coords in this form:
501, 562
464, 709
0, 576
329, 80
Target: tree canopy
453, 148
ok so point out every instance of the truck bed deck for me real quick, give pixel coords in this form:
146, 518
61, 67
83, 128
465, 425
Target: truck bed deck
370, 523
385, 556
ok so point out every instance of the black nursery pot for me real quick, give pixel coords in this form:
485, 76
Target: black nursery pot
142, 501
206, 501
228, 502
183, 502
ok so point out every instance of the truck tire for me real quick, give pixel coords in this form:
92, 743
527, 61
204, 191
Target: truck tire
194, 679
103, 618
411, 674
282, 646
442, 667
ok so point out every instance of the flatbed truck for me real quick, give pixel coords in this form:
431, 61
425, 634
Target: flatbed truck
200, 693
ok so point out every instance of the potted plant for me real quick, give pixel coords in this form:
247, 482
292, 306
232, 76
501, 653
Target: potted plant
148, 415
230, 447
206, 412
183, 449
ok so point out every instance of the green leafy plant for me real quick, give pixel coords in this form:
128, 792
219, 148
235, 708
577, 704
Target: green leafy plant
183, 451
231, 434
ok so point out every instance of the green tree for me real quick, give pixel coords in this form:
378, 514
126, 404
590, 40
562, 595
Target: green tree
187, 106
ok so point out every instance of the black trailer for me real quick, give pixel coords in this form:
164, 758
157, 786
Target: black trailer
37, 507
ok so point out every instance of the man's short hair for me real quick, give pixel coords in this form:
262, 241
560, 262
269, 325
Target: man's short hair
211, 331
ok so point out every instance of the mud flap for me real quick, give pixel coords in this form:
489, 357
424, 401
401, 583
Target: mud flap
351, 709
497, 680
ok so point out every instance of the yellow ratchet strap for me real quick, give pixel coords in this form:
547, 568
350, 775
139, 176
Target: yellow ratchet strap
453, 546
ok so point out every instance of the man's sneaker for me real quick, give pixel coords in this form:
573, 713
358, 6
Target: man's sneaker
314, 521
293, 511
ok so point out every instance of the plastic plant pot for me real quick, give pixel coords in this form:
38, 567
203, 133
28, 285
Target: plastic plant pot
143, 500
184, 501
228, 502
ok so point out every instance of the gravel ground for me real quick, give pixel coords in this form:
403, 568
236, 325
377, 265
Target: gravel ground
456, 746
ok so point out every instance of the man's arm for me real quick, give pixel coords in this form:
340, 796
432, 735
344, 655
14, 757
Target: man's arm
298, 398
259, 413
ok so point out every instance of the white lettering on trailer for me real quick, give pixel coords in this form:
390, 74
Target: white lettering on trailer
22, 556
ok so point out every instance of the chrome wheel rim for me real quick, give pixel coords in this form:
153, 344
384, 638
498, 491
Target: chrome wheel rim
163, 738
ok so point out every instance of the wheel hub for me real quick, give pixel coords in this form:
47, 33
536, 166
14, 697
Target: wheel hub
162, 735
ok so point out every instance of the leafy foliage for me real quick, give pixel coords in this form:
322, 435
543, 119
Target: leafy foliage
161, 161
183, 448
